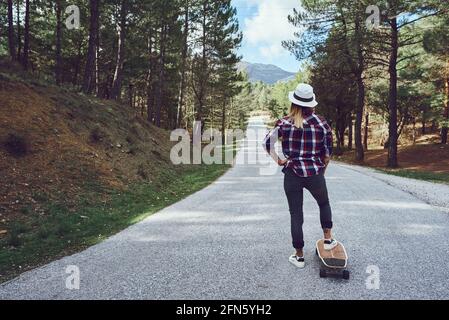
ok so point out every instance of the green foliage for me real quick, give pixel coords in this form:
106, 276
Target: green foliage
154, 75
16, 230
26, 210
343, 50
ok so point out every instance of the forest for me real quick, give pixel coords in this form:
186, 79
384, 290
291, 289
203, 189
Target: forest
173, 62
391, 73
89, 93
91, 89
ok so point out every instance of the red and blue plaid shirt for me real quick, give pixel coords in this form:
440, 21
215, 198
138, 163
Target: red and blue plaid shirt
305, 149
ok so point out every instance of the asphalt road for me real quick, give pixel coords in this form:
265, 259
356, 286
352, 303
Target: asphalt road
232, 241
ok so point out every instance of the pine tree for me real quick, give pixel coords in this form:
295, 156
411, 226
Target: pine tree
58, 66
90, 76
395, 43
436, 42
120, 59
26, 43
217, 21
157, 50
351, 44
11, 33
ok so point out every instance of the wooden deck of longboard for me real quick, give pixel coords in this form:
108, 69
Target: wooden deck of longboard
335, 258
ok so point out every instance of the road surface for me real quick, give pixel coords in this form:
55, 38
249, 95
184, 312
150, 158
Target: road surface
232, 241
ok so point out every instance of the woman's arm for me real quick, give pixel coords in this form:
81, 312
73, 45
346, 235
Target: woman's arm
279, 161
328, 144
327, 160
268, 144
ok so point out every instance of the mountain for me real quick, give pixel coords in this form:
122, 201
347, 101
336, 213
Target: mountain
266, 73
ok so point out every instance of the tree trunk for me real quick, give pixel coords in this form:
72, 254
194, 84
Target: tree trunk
350, 132
338, 138
182, 81
223, 122
357, 68
131, 96
26, 43
118, 74
359, 151
77, 63
423, 123
433, 126
414, 131
150, 76
342, 133
340, 129
11, 36
344, 119
19, 32
365, 137
142, 105
202, 82
89, 71
161, 82
96, 82
340, 125
150, 102
444, 129
393, 96
58, 67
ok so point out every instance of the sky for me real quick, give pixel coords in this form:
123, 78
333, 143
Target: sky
264, 25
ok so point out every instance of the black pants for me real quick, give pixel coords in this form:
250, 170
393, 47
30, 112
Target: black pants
293, 186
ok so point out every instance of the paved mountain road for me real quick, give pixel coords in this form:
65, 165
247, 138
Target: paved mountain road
232, 241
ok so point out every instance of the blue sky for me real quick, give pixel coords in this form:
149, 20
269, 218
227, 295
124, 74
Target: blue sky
264, 24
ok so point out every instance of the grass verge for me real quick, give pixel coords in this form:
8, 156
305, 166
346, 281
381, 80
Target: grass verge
63, 230
419, 175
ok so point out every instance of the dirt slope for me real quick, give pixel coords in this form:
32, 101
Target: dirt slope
55, 143
421, 157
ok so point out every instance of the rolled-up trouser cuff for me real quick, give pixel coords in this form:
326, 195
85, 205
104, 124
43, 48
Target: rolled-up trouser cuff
299, 245
327, 225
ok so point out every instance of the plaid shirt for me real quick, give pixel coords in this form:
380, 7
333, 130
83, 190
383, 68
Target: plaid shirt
305, 149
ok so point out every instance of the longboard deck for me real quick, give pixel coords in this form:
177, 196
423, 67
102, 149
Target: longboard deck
335, 258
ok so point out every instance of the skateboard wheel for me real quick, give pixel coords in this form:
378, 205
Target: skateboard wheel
323, 273
346, 274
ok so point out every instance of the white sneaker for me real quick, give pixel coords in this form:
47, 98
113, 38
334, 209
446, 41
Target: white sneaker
297, 261
330, 244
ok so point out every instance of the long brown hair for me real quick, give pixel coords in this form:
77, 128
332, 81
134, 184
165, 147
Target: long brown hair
297, 114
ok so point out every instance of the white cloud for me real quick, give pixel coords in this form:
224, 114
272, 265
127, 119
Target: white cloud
270, 26
273, 50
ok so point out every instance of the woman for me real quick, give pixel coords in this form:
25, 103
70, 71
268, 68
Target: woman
307, 146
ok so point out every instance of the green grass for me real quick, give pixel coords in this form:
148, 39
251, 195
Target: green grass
419, 175
63, 230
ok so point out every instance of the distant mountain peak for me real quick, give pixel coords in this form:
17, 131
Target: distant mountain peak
267, 73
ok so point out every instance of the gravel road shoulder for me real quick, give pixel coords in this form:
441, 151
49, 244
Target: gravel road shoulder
435, 194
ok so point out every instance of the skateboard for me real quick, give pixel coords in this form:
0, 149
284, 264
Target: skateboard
334, 262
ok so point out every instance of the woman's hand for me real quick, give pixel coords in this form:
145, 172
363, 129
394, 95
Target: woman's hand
327, 160
281, 162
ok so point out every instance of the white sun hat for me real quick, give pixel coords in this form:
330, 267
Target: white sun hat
303, 96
